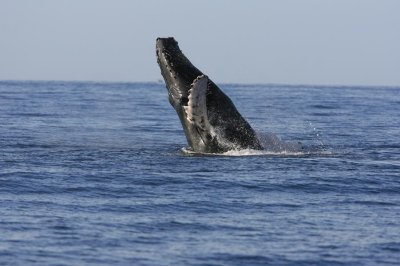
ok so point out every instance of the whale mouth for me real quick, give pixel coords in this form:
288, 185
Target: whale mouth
167, 51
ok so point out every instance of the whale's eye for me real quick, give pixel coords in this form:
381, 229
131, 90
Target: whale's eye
184, 101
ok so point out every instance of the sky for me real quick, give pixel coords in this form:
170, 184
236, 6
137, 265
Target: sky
330, 42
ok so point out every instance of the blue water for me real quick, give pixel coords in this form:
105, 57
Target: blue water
93, 174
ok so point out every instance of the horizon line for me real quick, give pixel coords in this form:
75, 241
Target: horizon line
160, 81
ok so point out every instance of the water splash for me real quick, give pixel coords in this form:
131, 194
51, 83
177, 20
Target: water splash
316, 135
306, 152
273, 146
272, 143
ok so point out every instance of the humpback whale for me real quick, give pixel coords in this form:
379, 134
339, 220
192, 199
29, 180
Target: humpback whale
210, 120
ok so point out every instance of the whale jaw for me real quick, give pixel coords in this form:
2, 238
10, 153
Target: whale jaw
177, 71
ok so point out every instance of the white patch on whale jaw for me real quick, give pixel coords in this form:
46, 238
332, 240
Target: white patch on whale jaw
196, 110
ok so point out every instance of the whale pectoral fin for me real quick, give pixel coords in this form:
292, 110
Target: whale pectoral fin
196, 110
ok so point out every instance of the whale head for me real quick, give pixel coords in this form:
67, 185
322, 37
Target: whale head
209, 118
177, 71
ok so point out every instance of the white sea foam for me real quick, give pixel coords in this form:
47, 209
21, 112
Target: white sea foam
251, 152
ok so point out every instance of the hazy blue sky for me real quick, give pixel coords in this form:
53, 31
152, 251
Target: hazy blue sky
350, 42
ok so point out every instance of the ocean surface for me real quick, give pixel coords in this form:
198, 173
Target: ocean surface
94, 174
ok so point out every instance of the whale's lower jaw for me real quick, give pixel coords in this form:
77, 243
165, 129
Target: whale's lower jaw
210, 120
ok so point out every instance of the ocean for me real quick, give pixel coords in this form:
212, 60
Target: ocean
94, 173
